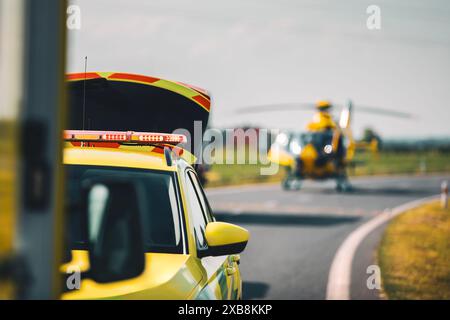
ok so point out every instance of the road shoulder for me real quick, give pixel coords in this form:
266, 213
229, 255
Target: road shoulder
340, 275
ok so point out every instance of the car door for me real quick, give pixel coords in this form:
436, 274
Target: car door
220, 272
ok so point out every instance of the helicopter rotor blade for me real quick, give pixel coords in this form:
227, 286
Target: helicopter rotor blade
384, 112
277, 107
311, 106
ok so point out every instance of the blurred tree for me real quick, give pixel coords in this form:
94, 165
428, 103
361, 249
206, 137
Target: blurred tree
369, 135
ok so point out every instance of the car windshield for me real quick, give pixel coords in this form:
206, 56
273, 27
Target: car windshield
161, 221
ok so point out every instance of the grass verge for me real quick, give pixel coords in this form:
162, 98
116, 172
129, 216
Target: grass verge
384, 163
414, 254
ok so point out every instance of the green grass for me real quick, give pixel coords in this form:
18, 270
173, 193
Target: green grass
402, 163
234, 174
414, 254
366, 164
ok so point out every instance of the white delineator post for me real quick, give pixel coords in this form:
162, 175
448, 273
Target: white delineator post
444, 194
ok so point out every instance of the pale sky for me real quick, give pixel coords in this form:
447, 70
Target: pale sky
263, 52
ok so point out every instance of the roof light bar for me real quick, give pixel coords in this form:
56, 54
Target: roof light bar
144, 138
115, 137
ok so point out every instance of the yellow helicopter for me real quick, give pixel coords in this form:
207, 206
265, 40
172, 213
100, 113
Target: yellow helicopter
325, 150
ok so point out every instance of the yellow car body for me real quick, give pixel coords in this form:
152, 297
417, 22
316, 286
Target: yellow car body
182, 275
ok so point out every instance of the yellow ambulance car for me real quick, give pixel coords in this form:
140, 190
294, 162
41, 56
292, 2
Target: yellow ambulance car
138, 223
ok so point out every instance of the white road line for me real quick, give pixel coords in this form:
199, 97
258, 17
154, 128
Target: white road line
339, 277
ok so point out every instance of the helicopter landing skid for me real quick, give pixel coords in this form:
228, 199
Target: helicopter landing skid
343, 185
291, 183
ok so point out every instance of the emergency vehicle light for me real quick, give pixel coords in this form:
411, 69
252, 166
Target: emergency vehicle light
124, 136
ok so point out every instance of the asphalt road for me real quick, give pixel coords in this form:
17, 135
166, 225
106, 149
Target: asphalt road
295, 234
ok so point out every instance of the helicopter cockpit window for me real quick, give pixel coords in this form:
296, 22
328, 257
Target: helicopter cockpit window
318, 139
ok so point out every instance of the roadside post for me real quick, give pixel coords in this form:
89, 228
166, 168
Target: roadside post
444, 194
32, 113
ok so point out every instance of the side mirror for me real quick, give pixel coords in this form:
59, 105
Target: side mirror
116, 250
225, 238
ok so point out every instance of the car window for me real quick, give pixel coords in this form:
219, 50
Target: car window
161, 221
198, 219
201, 195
